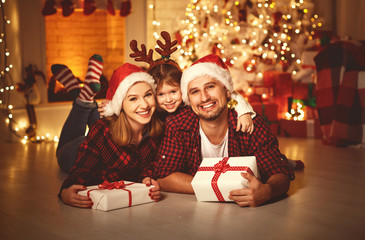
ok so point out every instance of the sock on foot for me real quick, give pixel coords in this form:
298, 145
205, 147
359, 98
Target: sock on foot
92, 79
65, 76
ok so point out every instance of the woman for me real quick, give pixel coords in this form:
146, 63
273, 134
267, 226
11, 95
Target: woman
118, 147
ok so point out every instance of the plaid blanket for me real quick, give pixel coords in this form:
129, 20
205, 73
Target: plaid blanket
340, 93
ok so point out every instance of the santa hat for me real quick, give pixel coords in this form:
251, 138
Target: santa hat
210, 65
122, 79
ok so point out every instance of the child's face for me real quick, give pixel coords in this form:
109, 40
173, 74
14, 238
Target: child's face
169, 97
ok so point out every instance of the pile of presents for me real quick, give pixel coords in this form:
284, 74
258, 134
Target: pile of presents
331, 108
288, 107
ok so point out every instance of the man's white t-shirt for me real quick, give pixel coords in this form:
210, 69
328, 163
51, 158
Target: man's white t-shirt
210, 150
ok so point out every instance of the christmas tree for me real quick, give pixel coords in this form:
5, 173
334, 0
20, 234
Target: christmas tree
251, 36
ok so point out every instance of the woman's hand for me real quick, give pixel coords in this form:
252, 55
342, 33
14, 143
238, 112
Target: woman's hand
155, 191
70, 197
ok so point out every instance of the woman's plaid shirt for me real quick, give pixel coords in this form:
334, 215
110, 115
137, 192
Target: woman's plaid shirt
99, 159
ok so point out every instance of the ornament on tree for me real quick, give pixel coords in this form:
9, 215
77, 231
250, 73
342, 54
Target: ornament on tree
216, 50
206, 20
249, 66
49, 8
110, 7
242, 15
125, 8
178, 37
89, 7
277, 16
68, 7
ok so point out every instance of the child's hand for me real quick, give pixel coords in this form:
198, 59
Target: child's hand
245, 123
101, 107
155, 191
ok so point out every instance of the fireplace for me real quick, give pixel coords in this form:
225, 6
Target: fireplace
72, 40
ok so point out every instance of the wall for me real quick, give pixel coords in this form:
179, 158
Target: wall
26, 38
72, 40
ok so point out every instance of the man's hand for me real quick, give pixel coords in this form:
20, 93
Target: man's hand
256, 194
70, 197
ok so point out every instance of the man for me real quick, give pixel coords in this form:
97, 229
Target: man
207, 129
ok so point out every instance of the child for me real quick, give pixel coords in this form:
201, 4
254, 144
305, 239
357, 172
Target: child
120, 146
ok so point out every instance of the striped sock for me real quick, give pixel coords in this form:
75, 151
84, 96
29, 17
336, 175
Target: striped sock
65, 76
92, 79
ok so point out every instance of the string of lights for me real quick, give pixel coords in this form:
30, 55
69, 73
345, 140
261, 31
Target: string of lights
7, 85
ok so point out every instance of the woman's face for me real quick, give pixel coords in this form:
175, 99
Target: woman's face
169, 97
139, 104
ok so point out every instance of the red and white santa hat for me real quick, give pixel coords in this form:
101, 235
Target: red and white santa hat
210, 65
122, 79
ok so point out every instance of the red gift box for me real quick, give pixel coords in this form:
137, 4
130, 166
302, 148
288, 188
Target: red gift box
283, 88
303, 91
306, 129
259, 94
270, 113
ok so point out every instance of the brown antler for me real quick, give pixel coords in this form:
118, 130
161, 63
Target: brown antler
140, 55
166, 49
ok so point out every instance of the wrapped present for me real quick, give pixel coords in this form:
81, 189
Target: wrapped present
280, 81
269, 112
282, 84
309, 128
305, 92
259, 94
110, 196
216, 177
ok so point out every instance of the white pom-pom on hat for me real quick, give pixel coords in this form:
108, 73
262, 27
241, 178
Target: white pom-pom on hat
122, 79
210, 65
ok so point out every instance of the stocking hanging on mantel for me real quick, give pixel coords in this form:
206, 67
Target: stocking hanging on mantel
49, 8
125, 9
89, 7
110, 7
68, 7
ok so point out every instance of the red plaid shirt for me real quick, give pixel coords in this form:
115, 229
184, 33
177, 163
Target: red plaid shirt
99, 159
180, 150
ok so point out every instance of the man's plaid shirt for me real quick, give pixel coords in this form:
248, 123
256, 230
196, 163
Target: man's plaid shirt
99, 159
180, 149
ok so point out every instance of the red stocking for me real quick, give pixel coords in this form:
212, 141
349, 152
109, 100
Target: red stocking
68, 7
89, 7
49, 8
110, 7
125, 9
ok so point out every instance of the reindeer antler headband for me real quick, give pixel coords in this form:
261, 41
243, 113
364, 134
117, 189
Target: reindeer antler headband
165, 51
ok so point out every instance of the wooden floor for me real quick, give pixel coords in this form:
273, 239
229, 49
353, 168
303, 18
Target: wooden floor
326, 201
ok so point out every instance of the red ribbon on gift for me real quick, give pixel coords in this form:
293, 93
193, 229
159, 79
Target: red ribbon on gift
114, 185
219, 168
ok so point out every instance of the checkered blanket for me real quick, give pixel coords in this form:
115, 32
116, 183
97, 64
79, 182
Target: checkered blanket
340, 93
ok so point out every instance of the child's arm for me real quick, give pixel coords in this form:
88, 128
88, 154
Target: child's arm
245, 113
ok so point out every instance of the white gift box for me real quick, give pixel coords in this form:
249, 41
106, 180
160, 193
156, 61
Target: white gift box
216, 177
110, 199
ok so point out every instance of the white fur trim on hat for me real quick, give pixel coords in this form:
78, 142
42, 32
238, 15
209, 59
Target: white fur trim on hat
204, 69
115, 105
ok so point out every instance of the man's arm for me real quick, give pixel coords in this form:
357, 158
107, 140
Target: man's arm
258, 193
176, 182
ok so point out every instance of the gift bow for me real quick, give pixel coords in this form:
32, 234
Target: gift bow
114, 185
221, 166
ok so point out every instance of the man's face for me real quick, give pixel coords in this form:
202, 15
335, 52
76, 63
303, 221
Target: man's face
208, 97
